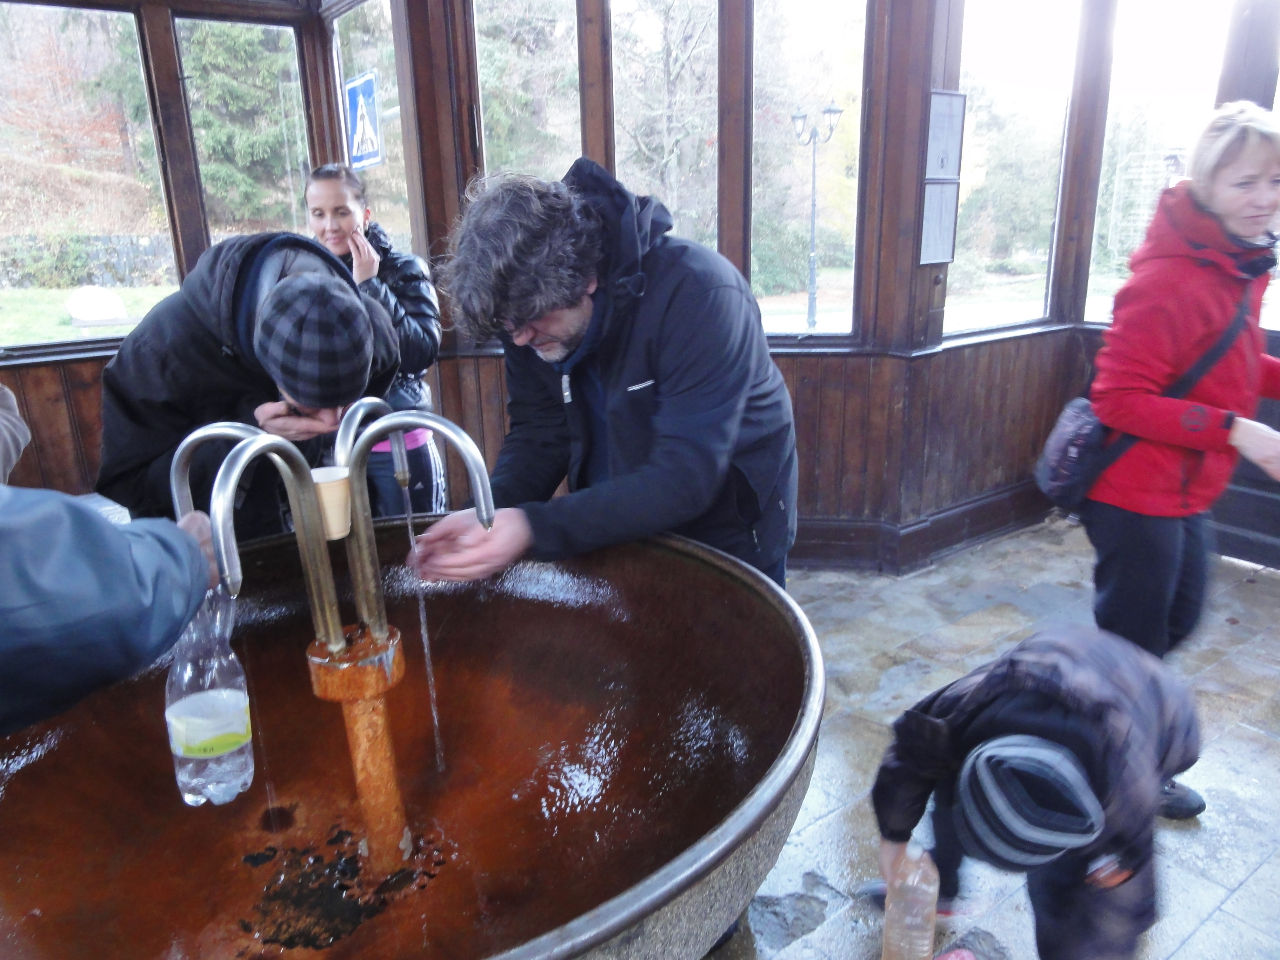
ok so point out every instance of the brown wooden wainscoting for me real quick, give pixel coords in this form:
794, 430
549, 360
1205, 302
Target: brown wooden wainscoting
871, 545
61, 401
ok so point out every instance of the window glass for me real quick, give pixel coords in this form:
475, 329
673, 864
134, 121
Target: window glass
527, 53
804, 163
85, 247
1017, 89
665, 107
247, 118
1153, 118
365, 46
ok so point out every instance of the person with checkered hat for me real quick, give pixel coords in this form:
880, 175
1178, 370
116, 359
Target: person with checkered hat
268, 330
1047, 761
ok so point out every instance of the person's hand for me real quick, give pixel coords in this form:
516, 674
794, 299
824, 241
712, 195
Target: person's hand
364, 259
197, 524
1257, 443
458, 547
890, 853
285, 420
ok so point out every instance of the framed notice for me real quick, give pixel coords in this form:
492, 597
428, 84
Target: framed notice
942, 177
938, 222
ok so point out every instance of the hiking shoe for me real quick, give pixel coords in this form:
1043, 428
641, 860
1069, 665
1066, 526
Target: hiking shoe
875, 891
1179, 802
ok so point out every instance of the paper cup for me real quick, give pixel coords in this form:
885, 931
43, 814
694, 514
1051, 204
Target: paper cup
334, 493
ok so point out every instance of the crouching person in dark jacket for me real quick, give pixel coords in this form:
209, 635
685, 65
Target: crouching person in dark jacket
1047, 761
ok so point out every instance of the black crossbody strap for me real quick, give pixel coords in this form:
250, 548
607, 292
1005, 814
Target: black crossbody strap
1182, 386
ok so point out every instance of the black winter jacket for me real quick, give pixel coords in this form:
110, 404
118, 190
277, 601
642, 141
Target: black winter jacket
700, 433
1128, 720
190, 362
404, 289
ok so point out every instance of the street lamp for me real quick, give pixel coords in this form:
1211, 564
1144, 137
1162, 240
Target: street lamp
808, 135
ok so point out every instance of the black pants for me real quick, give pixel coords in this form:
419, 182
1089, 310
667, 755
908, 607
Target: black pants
1150, 575
386, 499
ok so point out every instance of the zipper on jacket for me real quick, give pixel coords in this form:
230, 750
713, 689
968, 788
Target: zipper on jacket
564, 388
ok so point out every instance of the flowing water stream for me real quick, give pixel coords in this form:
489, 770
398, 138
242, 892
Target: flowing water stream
426, 640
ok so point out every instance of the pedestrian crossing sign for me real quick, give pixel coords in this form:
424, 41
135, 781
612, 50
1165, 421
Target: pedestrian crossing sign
364, 133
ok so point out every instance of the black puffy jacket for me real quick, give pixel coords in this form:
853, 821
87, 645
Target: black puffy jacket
403, 286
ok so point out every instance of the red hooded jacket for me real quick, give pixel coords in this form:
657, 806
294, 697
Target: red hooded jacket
1188, 279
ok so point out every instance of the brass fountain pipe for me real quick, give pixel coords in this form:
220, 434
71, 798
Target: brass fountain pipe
362, 549
348, 428
307, 523
180, 466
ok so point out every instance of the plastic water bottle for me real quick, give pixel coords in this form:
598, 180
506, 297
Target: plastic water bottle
911, 906
207, 708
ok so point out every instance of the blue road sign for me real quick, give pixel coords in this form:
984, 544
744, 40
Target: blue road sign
364, 130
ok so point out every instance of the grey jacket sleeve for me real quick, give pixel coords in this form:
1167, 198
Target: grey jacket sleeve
14, 435
84, 602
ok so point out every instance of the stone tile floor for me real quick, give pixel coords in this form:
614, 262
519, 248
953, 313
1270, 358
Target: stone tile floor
887, 641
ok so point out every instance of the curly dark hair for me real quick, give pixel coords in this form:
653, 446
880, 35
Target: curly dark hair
524, 247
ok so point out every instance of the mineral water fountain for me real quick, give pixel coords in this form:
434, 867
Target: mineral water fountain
627, 737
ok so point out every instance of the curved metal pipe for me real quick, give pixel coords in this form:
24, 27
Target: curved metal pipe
362, 549
356, 414
308, 528
180, 466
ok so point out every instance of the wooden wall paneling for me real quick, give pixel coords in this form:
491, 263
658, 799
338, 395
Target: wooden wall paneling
830, 453
491, 376
1019, 380
83, 381
884, 437
1018, 414
733, 185
805, 393
449, 403
595, 81
53, 431
1081, 162
179, 169
1249, 67
854, 445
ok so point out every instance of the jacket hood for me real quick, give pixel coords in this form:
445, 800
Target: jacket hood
1181, 227
223, 285
632, 226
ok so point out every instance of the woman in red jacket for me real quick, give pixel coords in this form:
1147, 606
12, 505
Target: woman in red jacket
1207, 250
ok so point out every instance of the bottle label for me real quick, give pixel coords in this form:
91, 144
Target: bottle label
209, 723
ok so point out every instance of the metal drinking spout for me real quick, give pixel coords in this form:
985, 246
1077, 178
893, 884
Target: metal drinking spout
180, 466
356, 414
362, 549
307, 523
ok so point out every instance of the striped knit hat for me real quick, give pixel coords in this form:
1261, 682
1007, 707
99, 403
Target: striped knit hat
314, 338
1023, 801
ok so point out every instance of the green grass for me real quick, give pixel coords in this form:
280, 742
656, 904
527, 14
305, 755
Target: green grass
39, 314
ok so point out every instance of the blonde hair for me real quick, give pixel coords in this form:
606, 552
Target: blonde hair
1235, 127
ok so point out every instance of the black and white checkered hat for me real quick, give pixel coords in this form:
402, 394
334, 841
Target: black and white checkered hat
1022, 801
314, 338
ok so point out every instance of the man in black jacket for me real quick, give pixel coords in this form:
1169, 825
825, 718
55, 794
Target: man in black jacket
267, 330
1047, 760
637, 369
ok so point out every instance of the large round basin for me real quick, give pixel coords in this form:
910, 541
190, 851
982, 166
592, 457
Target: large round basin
627, 738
